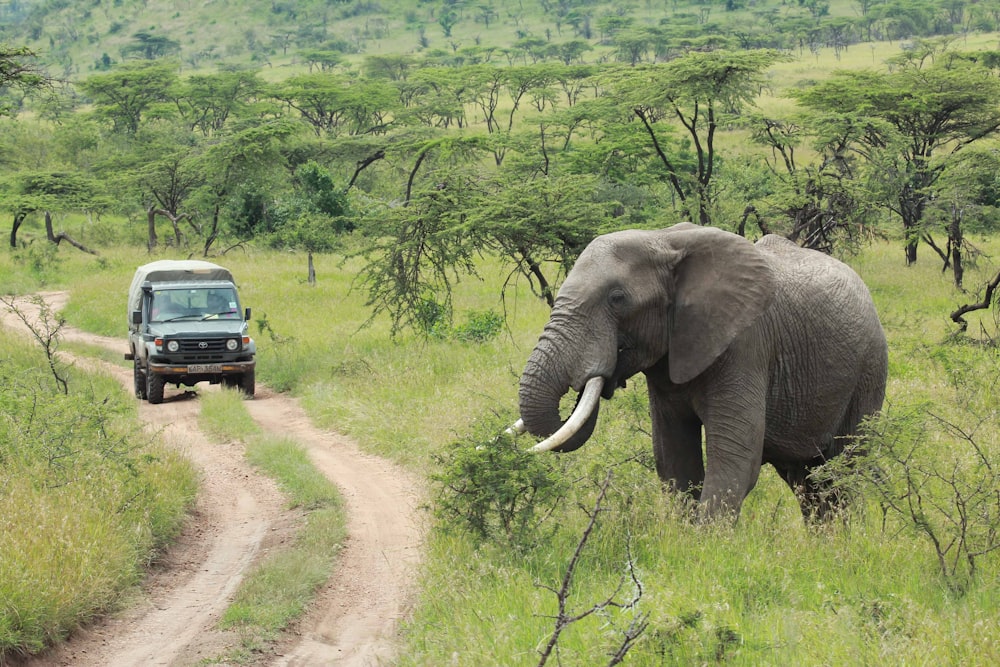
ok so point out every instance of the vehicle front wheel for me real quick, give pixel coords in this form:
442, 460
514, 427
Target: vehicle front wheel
140, 381
247, 383
154, 387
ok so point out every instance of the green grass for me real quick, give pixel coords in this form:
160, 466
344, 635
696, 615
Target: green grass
65, 459
769, 592
279, 590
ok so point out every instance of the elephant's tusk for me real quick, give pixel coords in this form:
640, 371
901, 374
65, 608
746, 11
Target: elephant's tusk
588, 401
516, 429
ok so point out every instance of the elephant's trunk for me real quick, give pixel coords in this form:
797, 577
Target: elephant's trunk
578, 428
543, 384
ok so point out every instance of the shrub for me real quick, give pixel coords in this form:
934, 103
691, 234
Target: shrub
933, 476
482, 325
434, 321
490, 488
433, 318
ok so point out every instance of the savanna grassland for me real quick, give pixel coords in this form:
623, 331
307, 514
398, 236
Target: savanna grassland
909, 575
869, 589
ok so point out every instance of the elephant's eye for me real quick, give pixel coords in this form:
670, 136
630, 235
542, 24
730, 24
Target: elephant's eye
617, 298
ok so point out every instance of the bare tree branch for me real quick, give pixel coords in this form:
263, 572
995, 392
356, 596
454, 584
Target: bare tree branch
45, 329
957, 315
564, 618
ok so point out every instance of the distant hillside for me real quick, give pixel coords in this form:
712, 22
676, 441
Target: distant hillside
75, 37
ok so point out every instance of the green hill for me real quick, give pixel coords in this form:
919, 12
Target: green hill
77, 37
74, 37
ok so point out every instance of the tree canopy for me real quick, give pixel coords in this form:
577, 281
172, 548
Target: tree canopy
910, 124
525, 152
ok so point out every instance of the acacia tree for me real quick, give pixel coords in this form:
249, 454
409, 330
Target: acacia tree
498, 92
240, 170
18, 70
51, 191
698, 91
168, 182
540, 222
129, 92
207, 101
314, 216
148, 46
537, 223
339, 105
437, 96
817, 203
393, 67
154, 172
968, 200
417, 249
908, 125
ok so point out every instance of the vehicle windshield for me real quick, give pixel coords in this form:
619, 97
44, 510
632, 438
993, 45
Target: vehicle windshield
213, 303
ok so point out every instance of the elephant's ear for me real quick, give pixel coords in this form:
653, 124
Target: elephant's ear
722, 284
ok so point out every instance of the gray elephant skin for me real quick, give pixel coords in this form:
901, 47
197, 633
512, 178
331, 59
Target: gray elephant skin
775, 351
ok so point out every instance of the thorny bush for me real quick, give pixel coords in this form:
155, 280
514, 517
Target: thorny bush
931, 475
492, 489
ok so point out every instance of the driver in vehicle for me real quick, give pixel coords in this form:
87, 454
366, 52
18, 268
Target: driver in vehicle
218, 305
164, 306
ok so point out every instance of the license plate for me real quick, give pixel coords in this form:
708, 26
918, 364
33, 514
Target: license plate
204, 368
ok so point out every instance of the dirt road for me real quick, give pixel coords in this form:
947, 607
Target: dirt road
239, 516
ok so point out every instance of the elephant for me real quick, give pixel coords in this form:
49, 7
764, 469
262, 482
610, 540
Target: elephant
774, 350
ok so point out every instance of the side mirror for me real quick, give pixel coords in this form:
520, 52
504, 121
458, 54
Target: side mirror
136, 317
246, 315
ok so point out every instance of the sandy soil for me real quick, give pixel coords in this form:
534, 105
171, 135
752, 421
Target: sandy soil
239, 517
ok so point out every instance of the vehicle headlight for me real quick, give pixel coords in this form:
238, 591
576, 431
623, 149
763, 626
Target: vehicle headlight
232, 344
173, 346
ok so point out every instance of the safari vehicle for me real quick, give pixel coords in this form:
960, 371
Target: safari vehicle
185, 326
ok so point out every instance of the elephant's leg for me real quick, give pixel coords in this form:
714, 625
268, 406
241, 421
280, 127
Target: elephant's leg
677, 444
734, 446
731, 472
817, 499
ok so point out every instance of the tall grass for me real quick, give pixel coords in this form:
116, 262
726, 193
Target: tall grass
86, 498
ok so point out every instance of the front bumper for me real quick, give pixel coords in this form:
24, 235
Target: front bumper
225, 367
192, 374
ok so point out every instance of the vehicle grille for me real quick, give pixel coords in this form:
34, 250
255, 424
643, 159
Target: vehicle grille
203, 346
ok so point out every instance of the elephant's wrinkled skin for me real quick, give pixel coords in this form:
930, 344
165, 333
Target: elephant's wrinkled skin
775, 350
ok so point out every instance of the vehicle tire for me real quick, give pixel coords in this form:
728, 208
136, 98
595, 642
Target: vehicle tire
154, 387
247, 384
140, 381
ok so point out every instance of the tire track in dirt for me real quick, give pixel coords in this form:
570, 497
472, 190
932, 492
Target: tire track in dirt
235, 511
238, 511
369, 594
